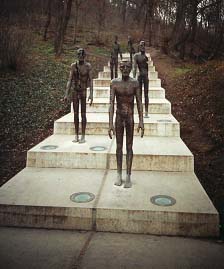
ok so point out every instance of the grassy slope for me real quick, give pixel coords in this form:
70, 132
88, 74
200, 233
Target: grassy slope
32, 100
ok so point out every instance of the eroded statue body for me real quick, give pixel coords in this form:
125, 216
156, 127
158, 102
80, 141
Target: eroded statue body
80, 78
114, 58
141, 62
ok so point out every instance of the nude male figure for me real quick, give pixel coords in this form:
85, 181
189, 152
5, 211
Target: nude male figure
125, 90
141, 62
114, 58
80, 78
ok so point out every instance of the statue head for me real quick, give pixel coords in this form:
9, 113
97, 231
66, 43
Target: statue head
115, 38
81, 54
125, 67
142, 46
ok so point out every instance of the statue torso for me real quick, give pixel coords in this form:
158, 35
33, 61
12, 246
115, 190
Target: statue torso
125, 92
142, 62
81, 75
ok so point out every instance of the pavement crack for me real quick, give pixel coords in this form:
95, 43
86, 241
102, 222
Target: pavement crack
78, 261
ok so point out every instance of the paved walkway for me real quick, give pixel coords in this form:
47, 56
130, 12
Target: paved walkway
56, 249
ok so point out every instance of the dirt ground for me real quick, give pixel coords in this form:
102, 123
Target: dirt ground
197, 101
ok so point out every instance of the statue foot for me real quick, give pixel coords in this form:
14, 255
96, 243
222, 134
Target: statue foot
118, 182
76, 140
82, 140
146, 115
128, 183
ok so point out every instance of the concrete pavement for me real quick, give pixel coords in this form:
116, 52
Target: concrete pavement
46, 249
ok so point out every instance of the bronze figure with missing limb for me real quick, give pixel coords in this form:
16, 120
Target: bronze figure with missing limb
80, 78
141, 62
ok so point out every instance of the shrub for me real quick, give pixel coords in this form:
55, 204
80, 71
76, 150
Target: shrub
14, 46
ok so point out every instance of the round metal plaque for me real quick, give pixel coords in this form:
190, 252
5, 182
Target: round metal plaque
82, 197
163, 200
49, 147
98, 148
164, 120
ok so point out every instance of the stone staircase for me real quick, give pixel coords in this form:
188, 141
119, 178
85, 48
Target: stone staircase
166, 197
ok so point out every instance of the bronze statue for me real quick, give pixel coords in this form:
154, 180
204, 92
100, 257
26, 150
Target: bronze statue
124, 89
80, 78
114, 58
141, 61
131, 49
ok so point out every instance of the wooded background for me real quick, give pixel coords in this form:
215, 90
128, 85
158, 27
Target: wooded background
184, 28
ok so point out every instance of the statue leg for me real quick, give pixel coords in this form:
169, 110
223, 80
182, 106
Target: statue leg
111, 70
146, 95
116, 67
129, 143
83, 115
140, 84
119, 130
76, 115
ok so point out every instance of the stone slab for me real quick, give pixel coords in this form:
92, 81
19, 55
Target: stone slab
103, 74
150, 68
41, 198
104, 92
150, 153
130, 210
156, 106
101, 82
97, 123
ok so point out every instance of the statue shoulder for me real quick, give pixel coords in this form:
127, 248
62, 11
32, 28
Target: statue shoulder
134, 81
73, 65
136, 54
115, 81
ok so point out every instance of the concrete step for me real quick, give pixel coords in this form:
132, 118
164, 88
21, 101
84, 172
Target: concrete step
104, 92
105, 82
127, 56
40, 198
150, 68
97, 124
150, 153
106, 75
150, 62
156, 106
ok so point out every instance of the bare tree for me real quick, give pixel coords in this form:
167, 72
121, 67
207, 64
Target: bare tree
63, 8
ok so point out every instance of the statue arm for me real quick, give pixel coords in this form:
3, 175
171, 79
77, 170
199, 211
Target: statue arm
135, 66
90, 85
69, 84
111, 111
120, 52
140, 109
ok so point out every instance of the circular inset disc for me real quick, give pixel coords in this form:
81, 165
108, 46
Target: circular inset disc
82, 197
163, 200
98, 148
49, 147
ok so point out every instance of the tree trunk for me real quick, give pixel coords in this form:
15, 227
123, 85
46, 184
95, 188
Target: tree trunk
63, 13
48, 19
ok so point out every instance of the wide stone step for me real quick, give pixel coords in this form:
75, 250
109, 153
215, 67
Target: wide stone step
150, 62
102, 82
102, 74
99, 152
156, 106
97, 123
40, 198
104, 92
150, 68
